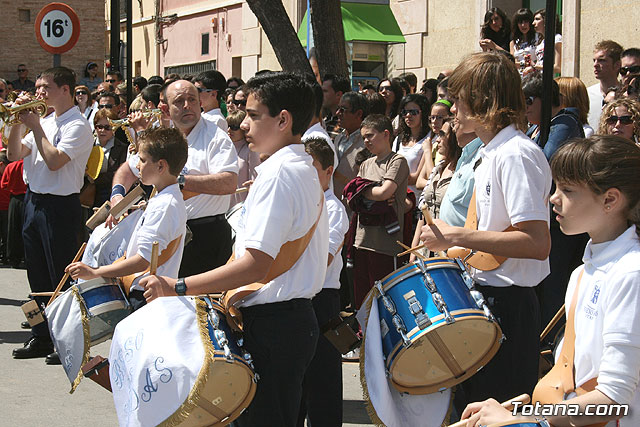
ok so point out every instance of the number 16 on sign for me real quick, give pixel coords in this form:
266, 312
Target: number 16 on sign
57, 29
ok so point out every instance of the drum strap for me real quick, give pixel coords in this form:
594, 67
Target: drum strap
289, 254
481, 260
186, 194
560, 380
164, 256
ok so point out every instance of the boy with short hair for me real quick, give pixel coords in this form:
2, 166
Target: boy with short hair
374, 246
285, 204
163, 154
322, 392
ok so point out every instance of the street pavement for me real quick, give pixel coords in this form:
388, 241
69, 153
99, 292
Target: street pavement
35, 394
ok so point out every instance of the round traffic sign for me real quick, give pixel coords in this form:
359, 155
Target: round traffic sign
57, 27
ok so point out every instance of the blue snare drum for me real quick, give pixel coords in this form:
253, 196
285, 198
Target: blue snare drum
435, 331
106, 306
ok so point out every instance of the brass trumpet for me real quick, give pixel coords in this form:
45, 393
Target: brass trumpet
9, 115
156, 114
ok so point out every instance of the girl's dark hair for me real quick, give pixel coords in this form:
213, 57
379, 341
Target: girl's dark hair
602, 162
452, 151
425, 109
543, 13
485, 30
521, 15
396, 88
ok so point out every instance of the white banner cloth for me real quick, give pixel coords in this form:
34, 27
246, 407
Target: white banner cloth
156, 355
64, 316
107, 245
391, 406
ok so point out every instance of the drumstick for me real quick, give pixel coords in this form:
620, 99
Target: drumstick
415, 248
241, 190
427, 215
411, 250
40, 294
524, 398
66, 275
154, 259
559, 315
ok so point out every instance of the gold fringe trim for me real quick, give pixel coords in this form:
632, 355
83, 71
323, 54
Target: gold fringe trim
87, 337
183, 412
371, 411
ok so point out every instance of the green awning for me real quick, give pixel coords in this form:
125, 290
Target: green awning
364, 22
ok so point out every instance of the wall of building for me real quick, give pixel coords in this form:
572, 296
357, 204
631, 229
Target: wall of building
18, 44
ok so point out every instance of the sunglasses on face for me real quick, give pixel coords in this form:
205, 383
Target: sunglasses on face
21, 70
234, 127
103, 127
82, 92
202, 89
105, 106
411, 112
110, 80
529, 100
633, 69
625, 120
384, 88
238, 102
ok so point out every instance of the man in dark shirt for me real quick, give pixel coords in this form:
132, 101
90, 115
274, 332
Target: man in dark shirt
22, 82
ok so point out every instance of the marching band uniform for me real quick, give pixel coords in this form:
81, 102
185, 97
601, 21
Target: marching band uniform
280, 327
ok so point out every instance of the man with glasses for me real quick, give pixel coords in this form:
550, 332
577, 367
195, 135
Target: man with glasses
606, 66
211, 85
22, 82
630, 64
114, 77
240, 100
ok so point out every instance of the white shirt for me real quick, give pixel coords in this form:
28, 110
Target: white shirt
413, 155
71, 134
338, 227
282, 206
210, 151
607, 320
595, 105
512, 185
317, 131
216, 117
164, 220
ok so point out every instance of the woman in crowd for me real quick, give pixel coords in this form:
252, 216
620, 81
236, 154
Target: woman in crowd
115, 153
247, 159
391, 91
90, 79
524, 39
621, 117
83, 100
538, 26
414, 126
435, 183
495, 33
573, 93
440, 113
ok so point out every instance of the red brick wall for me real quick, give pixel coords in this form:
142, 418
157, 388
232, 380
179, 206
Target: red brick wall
18, 44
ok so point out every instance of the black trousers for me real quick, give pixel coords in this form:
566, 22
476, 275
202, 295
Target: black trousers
514, 369
322, 387
50, 232
15, 245
210, 246
281, 338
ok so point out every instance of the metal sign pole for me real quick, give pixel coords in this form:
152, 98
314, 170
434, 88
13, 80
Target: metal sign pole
57, 61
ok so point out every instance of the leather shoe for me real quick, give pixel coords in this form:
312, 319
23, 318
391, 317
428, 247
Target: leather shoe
25, 325
34, 347
52, 359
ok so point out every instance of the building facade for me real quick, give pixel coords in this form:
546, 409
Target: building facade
18, 44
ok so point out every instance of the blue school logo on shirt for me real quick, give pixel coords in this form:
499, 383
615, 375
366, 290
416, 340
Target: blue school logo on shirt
488, 188
596, 293
185, 171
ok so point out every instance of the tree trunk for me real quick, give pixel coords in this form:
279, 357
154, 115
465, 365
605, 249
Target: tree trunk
281, 34
328, 36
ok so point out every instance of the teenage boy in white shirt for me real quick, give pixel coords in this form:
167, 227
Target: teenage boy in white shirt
322, 393
285, 204
55, 155
211, 85
163, 153
512, 185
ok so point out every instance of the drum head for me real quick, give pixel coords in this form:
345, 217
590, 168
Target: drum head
426, 365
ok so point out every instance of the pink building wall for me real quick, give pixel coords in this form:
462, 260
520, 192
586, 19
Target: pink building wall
184, 36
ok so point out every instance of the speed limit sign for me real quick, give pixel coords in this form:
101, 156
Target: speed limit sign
57, 28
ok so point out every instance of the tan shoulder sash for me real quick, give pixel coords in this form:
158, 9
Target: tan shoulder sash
477, 259
289, 254
164, 256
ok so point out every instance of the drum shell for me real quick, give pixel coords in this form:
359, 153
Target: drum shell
463, 308
106, 306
